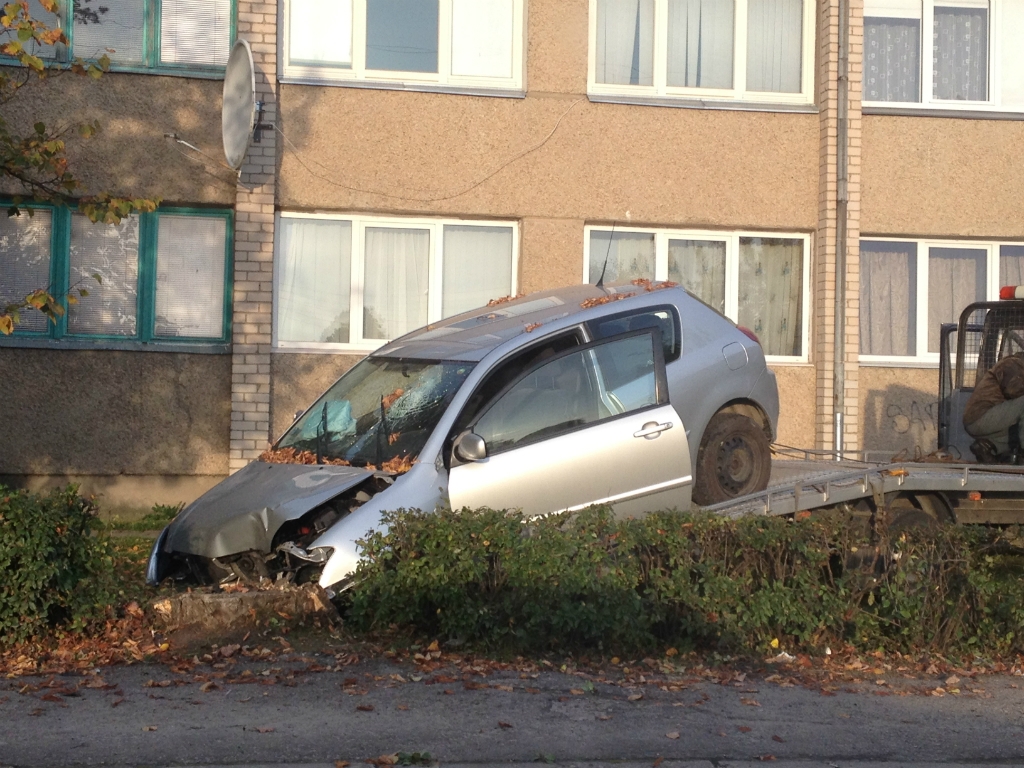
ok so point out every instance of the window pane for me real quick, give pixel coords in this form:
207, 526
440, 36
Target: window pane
401, 35
112, 252
956, 277
960, 54
700, 36
771, 291
482, 37
25, 262
1011, 265
888, 298
395, 290
625, 42
51, 20
195, 32
190, 276
699, 266
892, 66
314, 279
320, 32
630, 255
774, 45
1011, 85
477, 267
110, 25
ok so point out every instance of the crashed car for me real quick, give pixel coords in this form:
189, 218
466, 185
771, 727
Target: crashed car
549, 402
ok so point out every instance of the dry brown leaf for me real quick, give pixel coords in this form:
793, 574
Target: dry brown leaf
402, 707
766, 758
778, 739
207, 687
750, 702
149, 727
658, 761
744, 728
576, 691
265, 729
634, 697
504, 724
365, 708
383, 760
672, 735
504, 299
341, 764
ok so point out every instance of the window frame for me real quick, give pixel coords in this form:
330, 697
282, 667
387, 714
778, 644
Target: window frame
359, 76
732, 254
660, 91
145, 304
359, 224
926, 359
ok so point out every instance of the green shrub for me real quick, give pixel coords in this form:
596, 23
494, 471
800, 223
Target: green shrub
54, 570
590, 582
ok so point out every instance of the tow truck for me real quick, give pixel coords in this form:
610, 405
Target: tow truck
951, 486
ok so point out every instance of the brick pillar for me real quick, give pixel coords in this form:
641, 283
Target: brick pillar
254, 250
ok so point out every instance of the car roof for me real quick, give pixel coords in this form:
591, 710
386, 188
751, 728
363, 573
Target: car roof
471, 335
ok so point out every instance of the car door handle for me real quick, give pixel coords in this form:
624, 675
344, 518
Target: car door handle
652, 429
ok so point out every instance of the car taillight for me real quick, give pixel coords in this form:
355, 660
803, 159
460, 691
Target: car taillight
749, 334
1011, 292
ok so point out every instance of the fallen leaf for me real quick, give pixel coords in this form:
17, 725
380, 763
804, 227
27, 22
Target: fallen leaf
504, 725
750, 702
365, 708
576, 692
227, 651
634, 697
265, 729
207, 687
341, 764
766, 758
449, 692
779, 739
433, 646
744, 728
952, 680
672, 735
658, 761
384, 760
115, 702
402, 707
149, 727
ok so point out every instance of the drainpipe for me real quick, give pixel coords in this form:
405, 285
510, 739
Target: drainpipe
842, 199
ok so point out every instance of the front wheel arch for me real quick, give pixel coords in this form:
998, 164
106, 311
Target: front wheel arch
734, 457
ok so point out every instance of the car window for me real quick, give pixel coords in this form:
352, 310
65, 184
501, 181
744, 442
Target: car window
664, 319
573, 390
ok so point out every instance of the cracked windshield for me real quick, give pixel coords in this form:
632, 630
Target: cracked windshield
379, 415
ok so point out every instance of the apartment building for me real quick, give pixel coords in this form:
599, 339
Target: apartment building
818, 171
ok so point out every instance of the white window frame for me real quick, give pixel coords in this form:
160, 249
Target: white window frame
924, 358
660, 90
442, 80
732, 268
435, 272
996, 44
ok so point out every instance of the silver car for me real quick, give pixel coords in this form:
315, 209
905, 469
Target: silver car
544, 403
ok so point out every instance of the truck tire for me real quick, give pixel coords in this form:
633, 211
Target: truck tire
734, 459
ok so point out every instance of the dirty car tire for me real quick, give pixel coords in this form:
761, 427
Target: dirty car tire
734, 459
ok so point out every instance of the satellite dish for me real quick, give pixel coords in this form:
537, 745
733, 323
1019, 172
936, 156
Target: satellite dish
238, 113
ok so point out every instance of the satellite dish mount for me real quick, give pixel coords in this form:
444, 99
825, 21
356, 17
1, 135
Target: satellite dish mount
241, 115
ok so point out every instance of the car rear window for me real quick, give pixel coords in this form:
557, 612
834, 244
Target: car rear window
664, 319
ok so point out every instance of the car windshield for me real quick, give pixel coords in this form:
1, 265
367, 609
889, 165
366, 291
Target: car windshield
379, 414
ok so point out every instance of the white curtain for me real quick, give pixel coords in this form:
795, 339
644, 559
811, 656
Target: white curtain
195, 32
25, 262
395, 283
320, 32
190, 276
102, 26
699, 266
956, 278
771, 291
477, 267
888, 298
112, 252
625, 42
774, 45
1011, 265
960, 54
700, 43
314, 267
630, 255
482, 37
892, 59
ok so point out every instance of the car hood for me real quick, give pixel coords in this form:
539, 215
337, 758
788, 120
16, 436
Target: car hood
243, 512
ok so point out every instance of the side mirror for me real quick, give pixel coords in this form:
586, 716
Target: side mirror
470, 447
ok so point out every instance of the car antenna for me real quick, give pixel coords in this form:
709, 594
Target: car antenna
607, 253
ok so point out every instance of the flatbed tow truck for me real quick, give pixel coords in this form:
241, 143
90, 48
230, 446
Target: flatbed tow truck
948, 487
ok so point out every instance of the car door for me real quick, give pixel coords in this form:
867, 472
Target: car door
591, 425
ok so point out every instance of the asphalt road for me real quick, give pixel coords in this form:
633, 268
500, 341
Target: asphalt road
289, 717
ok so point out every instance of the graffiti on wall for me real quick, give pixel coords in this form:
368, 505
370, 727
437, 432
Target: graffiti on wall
914, 416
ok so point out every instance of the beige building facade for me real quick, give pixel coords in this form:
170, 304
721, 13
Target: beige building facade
840, 176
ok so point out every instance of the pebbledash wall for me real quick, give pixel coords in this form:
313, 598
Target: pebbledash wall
569, 147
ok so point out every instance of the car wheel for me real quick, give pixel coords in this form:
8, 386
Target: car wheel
734, 459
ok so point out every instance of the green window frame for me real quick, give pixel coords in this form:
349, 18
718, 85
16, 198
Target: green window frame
145, 290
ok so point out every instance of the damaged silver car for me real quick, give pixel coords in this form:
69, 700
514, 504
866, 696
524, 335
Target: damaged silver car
544, 403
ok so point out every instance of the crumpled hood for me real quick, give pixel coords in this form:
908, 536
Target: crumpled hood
243, 512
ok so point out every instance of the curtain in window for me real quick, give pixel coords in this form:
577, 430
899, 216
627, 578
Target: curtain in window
395, 285
770, 292
625, 42
960, 54
630, 255
190, 276
25, 262
888, 298
699, 266
195, 32
892, 59
482, 37
1011, 265
320, 32
956, 277
700, 50
112, 252
774, 45
110, 24
401, 35
314, 280
477, 267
